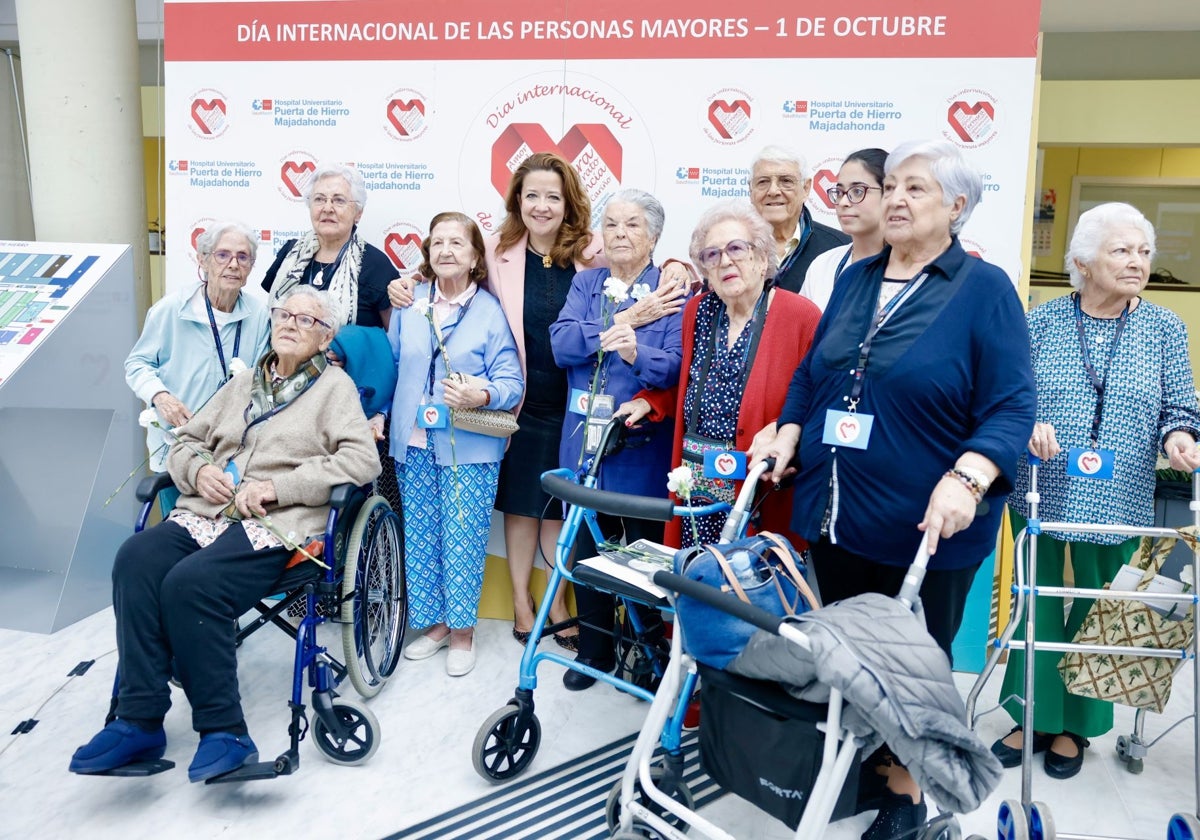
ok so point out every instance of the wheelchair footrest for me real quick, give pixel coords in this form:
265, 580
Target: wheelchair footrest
140, 768
246, 773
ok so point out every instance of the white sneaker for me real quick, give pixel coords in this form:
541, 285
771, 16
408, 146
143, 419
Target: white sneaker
460, 662
425, 647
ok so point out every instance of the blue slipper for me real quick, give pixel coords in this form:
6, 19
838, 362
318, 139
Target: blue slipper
117, 744
220, 753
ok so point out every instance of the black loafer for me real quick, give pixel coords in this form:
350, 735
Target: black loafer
578, 681
1011, 756
1064, 767
898, 817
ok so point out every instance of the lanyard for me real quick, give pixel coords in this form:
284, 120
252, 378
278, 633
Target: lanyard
1097, 383
791, 258
435, 333
331, 269
885, 314
756, 328
266, 416
600, 368
212, 323
837, 272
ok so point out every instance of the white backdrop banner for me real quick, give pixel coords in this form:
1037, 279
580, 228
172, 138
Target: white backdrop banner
436, 104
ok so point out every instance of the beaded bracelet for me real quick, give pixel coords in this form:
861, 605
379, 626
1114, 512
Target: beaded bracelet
968, 481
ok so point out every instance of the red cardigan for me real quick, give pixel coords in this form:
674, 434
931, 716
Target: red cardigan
787, 334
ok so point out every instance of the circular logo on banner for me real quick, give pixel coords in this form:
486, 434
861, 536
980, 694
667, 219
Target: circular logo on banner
1089, 463
406, 114
848, 429
208, 113
970, 118
582, 118
296, 171
727, 116
725, 464
824, 177
402, 244
972, 247
197, 229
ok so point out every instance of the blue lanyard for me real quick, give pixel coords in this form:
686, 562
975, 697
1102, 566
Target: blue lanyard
1097, 383
864, 353
212, 323
837, 272
331, 269
446, 333
791, 258
597, 369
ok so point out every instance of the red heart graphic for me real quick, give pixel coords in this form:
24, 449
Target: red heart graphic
822, 181
971, 122
729, 118
1089, 463
848, 429
431, 415
408, 116
591, 147
209, 114
725, 464
196, 234
297, 175
403, 251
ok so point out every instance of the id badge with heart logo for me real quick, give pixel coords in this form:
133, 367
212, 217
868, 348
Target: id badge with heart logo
844, 428
1090, 463
724, 464
433, 416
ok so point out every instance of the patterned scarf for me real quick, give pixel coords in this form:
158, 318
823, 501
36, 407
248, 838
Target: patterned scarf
343, 286
267, 393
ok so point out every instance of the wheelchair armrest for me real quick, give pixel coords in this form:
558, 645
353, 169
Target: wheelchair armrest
343, 495
150, 486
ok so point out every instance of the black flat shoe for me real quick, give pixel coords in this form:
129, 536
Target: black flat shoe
1064, 767
898, 817
570, 643
1011, 756
521, 636
578, 681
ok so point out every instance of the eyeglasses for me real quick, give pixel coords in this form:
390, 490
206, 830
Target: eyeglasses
854, 194
737, 249
280, 316
787, 183
339, 202
223, 257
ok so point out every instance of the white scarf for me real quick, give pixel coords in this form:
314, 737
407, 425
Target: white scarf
343, 286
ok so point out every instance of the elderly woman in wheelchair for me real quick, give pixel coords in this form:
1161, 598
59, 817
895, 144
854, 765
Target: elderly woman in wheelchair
255, 468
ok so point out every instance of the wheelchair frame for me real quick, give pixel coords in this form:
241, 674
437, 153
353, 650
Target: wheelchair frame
368, 550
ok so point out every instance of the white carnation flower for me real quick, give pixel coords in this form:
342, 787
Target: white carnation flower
422, 307
236, 365
680, 481
148, 418
640, 290
616, 290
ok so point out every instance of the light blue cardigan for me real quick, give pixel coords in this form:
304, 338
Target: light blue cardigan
482, 345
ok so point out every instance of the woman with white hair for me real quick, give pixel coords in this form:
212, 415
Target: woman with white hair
908, 416
334, 257
1113, 380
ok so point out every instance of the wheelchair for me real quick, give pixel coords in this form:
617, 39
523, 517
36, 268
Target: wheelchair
363, 590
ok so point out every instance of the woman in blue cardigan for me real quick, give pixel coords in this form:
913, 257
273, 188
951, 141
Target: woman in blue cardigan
908, 415
609, 352
448, 476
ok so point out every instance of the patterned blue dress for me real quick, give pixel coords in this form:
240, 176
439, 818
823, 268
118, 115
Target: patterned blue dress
1149, 393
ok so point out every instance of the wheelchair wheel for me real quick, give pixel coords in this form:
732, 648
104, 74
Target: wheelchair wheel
678, 791
1183, 827
364, 733
375, 618
502, 748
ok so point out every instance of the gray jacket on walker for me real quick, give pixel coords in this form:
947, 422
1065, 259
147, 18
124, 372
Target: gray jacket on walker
897, 686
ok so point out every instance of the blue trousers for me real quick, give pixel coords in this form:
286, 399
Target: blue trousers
447, 517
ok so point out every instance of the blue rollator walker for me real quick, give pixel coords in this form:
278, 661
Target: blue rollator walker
362, 588
1025, 818
508, 740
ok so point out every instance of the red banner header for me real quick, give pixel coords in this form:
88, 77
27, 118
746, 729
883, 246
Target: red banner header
366, 30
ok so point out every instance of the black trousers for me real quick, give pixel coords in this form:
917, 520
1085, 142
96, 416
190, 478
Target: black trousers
597, 608
173, 599
841, 574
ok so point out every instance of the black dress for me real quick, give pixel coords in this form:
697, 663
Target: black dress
534, 449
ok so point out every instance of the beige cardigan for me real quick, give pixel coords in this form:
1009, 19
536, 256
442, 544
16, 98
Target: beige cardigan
317, 441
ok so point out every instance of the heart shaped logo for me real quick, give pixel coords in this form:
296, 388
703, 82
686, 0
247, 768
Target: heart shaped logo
196, 234
296, 176
590, 147
407, 116
725, 464
403, 250
208, 115
972, 122
431, 415
729, 119
822, 181
1089, 462
847, 429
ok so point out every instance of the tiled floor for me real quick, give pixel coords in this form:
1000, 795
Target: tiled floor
423, 767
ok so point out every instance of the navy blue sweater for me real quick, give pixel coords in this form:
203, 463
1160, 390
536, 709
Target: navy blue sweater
948, 373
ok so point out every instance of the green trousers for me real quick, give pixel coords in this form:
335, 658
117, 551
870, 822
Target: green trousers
1055, 710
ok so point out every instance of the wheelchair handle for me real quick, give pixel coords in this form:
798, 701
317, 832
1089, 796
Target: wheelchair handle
150, 486
606, 501
723, 601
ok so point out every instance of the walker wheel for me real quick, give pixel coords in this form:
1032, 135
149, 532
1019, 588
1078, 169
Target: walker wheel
1135, 765
1041, 824
944, 827
1011, 823
1123, 747
503, 748
1183, 827
677, 790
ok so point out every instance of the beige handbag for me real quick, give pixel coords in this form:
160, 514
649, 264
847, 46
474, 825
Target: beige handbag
1139, 681
493, 422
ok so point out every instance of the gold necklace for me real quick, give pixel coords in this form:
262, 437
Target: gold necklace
546, 261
